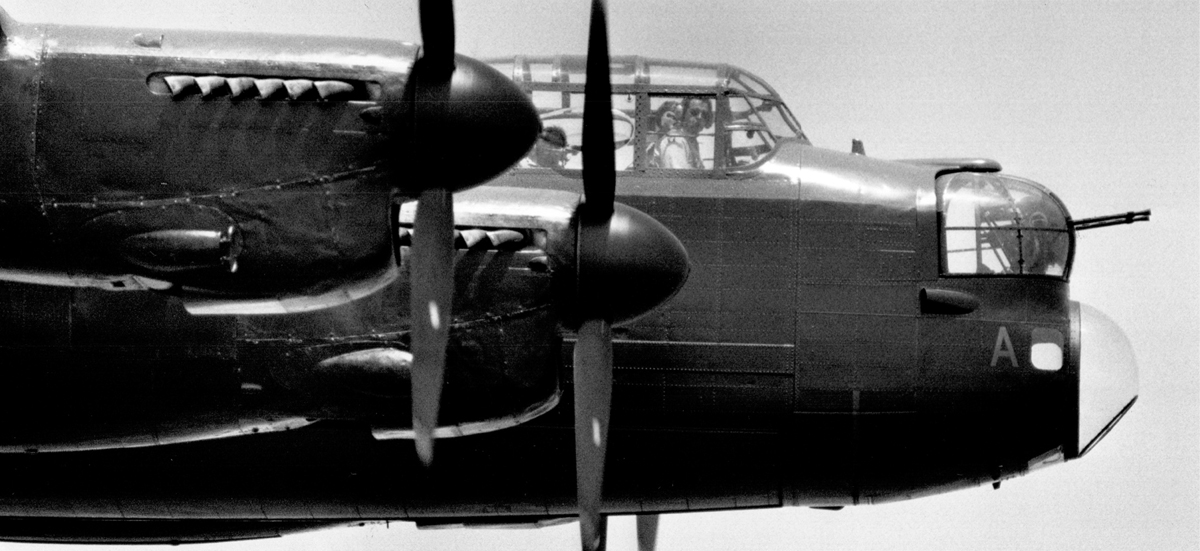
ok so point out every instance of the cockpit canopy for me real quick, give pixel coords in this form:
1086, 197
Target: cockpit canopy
994, 224
738, 117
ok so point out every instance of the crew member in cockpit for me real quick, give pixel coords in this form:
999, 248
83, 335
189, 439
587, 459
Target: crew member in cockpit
550, 150
1044, 242
678, 124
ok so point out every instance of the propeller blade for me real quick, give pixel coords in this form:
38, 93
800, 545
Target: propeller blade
437, 33
647, 532
593, 397
599, 174
593, 349
432, 270
432, 279
599, 171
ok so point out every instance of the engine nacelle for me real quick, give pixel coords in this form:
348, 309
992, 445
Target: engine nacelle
499, 373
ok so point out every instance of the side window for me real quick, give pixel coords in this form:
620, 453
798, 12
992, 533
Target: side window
680, 132
999, 225
750, 136
562, 134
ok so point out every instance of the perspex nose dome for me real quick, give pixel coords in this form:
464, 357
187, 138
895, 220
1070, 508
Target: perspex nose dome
1108, 377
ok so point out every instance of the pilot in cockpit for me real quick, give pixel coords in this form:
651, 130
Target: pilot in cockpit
677, 124
550, 150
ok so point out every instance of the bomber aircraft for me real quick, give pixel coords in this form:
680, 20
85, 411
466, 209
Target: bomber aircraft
213, 236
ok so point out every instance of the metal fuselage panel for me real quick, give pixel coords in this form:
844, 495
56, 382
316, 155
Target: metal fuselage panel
737, 394
802, 318
95, 127
92, 128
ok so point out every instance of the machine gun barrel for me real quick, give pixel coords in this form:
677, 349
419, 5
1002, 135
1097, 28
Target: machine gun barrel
1111, 220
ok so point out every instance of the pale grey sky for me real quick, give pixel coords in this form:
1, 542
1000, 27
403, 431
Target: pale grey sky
1096, 99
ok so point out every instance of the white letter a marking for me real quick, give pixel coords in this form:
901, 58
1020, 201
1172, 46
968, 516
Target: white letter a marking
1004, 348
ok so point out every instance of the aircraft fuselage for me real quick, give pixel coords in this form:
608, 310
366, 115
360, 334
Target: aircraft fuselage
821, 354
